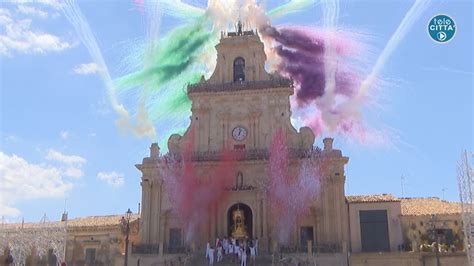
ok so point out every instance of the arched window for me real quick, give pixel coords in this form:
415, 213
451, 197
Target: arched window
239, 69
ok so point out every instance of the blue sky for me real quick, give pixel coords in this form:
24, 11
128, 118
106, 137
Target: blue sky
59, 139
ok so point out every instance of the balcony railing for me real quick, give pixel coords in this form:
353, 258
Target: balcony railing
323, 248
177, 250
327, 248
246, 155
240, 85
145, 249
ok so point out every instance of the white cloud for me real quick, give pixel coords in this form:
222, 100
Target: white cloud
21, 180
17, 35
64, 134
32, 11
56, 4
12, 138
54, 155
112, 178
87, 69
75, 172
5, 16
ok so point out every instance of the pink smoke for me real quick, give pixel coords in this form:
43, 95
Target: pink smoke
140, 5
194, 196
290, 196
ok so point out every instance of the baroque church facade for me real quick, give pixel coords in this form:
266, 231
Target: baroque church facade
240, 107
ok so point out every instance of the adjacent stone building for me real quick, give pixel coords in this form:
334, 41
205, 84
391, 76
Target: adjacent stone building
94, 240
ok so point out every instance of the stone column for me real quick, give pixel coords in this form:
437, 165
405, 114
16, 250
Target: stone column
145, 212
156, 210
161, 239
266, 232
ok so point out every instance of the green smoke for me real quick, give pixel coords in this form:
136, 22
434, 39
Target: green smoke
171, 57
170, 64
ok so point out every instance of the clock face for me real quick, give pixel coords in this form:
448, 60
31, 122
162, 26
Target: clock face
239, 133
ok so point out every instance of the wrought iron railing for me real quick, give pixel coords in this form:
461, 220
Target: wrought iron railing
327, 248
177, 250
145, 249
322, 248
246, 155
240, 85
243, 187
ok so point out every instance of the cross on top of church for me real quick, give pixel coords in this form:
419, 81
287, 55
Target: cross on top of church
239, 28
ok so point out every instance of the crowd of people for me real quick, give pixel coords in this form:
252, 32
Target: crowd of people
241, 250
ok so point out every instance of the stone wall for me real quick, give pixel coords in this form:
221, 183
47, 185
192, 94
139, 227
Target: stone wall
407, 259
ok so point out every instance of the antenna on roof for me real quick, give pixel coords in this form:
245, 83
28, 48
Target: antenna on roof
64, 215
44, 219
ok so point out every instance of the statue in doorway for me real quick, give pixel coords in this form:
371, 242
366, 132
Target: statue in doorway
239, 230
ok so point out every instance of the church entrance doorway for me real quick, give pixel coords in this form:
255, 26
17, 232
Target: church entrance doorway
239, 221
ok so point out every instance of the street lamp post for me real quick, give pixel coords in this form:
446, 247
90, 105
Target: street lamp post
126, 231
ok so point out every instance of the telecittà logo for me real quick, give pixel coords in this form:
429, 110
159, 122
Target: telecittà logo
441, 28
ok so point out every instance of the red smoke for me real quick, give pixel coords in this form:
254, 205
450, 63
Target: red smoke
290, 197
192, 193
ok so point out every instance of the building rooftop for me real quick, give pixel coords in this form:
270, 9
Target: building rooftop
411, 206
88, 221
372, 198
205, 86
107, 220
428, 206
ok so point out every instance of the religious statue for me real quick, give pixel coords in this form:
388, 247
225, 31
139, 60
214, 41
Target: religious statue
239, 230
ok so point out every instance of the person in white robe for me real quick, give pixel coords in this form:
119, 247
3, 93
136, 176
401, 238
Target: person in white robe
219, 253
225, 245
208, 246
237, 251
253, 254
211, 256
243, 257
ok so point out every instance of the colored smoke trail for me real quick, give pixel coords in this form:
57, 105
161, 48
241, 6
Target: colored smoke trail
348, 119
290, 197
290, 7
301, 51
178, 9
158, 74
72, 12
303, 58
330, 17
194, 196
170, 64
174, 55
405, 25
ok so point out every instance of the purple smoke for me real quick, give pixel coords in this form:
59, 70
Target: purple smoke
301, 51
